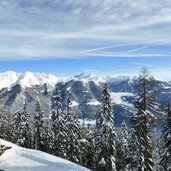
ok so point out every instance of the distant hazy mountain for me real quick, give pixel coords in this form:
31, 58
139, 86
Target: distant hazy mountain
84, 90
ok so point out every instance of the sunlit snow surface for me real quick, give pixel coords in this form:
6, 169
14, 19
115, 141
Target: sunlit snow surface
21, 159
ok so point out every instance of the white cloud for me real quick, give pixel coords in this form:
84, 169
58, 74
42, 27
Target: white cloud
162, 74
82, 28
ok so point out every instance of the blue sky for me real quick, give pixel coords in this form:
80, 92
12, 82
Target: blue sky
66, 37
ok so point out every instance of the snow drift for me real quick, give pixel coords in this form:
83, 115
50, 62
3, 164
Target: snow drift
21, 159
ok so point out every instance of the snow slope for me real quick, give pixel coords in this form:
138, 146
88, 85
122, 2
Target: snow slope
21, 159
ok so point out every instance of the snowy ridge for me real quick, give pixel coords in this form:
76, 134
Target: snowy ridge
21, 159
27, 79
89, 77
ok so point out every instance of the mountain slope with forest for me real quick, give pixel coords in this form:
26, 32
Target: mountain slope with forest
84, 91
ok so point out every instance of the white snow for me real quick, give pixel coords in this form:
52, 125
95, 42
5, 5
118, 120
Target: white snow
74, 103
68, 88
117, 98
165, 87
21, 159
83, 141
87, 122
8, 78
89, 77
94, 102
27, 79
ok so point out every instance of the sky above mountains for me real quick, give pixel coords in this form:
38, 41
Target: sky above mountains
71, 36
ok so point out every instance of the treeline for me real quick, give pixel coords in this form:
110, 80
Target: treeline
103, 148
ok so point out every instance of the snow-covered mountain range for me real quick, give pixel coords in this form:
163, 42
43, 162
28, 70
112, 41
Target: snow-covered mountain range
21, 159
84, 91
27, 79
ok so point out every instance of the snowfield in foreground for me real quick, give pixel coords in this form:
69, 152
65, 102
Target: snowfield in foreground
21, 159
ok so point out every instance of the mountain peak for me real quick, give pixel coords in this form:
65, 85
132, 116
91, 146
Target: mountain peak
26, 79
7, 79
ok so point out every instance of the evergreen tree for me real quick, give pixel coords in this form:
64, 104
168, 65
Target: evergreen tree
5, 124
38, 127
165, 161
59, 129
134, 152
26, 131
16, 131
157, 150
142, 122
47, 137
120, 160
124, 137
21, 131
87, 148
73, 135
122, 148
105, 136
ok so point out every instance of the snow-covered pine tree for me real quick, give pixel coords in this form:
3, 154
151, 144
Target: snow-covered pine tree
5, 124
59, 128
124, 137
16, 131
165, 161
105, 136
134, 153
26, 131
143, 121
47, 137
122, 148
38, 127
73, 135
22, 131
87, 148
